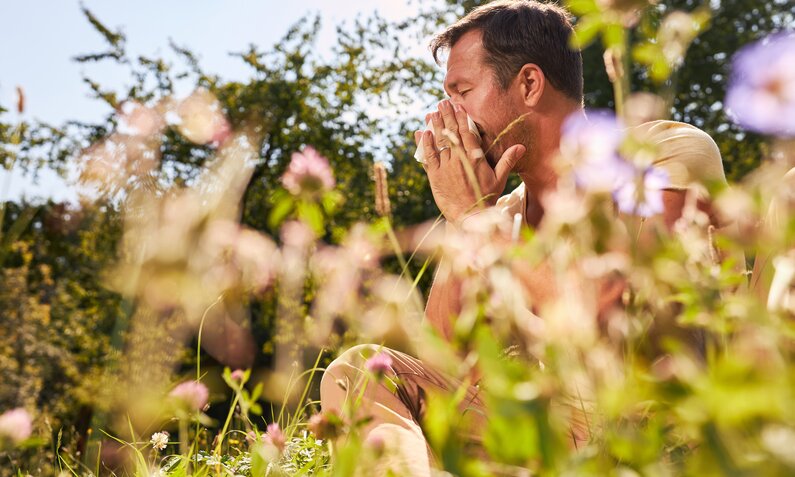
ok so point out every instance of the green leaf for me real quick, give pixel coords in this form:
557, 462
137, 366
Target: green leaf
614, 36
330, 201
281, 210
310, 213
255, 394
646, 53
660, 70
582, 7
586, 30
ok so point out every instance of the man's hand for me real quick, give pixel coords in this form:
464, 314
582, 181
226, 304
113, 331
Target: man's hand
447, 148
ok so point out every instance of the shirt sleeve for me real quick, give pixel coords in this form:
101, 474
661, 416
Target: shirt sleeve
688, 154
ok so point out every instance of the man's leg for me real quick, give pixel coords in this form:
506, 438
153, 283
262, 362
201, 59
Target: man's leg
396, 405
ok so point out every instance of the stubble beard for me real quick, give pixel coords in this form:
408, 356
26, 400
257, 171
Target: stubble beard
519, 133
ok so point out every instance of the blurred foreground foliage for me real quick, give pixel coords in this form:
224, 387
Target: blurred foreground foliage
62, 329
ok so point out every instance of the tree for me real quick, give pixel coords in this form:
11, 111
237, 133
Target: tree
58, 319
294, 98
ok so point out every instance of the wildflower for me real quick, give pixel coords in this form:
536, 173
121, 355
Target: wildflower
308, 173
257, 257
376, 443
201, 119
191, 394
16, 425
275, 436
325, 425
626, 11
138, 120
240, 255
647, 200
20, 100
379, 363
761, 93
676, 32
238, 375
563, 206
643, 107
591, 145
297, 235
382, 204
360, 247
159, 440
779, 440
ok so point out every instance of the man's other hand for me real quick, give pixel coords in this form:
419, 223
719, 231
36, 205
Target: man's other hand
446, 149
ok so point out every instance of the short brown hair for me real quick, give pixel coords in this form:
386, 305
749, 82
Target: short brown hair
517, 32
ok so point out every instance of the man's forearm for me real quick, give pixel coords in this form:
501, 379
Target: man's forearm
444, 301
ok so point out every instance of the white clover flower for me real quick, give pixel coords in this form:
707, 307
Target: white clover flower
159, 440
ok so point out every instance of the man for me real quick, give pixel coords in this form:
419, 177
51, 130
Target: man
510, 68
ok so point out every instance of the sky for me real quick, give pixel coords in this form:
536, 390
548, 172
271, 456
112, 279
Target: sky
39, 38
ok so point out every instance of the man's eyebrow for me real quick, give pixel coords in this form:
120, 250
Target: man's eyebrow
450, 86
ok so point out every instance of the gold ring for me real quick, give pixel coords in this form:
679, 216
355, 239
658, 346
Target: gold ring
443, 148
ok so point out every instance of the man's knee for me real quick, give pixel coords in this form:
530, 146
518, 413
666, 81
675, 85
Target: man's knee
341, 374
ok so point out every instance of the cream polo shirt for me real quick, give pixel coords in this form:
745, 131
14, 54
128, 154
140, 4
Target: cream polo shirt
685, 152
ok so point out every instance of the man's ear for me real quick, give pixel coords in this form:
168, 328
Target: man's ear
531, 84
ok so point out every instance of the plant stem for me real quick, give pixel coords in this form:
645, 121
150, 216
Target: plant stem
183, 443
226, 424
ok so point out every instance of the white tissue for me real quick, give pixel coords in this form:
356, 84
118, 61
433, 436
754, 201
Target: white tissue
420, 154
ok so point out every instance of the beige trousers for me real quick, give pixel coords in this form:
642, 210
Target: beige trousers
396, 405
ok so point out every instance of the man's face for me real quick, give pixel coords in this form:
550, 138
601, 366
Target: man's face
471, 83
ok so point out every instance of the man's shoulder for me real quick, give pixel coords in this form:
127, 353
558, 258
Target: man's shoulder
663, 129
688, 154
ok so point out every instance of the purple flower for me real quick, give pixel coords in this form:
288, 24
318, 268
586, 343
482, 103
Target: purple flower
380, 363
591, 144
607, 176
308, 173
647, 200
761, 94
192, 395
275, 436
593, 136
16, 425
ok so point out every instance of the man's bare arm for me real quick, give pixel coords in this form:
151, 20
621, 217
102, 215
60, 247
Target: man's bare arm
444, 301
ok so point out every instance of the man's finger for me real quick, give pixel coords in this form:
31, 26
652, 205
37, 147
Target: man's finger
438, 131
448, 116
417, 138
507, 162
470, 140
430, 154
